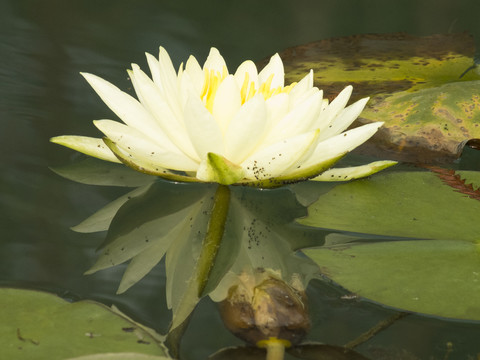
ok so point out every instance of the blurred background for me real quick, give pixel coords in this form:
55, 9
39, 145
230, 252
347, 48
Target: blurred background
43, 47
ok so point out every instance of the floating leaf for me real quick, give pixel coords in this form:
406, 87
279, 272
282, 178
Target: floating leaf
120, 356
437, 277
39, 325
404, 204
440, 276
414, 84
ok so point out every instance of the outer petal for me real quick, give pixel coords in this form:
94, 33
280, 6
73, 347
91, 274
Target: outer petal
143, 165
342, 143
137, 146
168, 78
154, 69
335, 107
303, 86
305, 173
275, 67
169, 123
87, 145
246, 129
125, 107
273, 160
343, 120
196, 74
354, 172
227, 102
204, 132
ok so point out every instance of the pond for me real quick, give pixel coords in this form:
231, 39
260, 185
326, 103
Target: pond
43, 48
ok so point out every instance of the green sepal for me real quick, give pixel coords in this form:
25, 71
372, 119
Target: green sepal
354, 172
144, 167
297, 176
222, 171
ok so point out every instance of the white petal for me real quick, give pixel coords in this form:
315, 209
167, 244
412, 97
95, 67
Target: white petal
275, 159
277, 108
275, 67
205, 134
135, 144
168, 78
342, 143
343, 120
300, 120
87, 145
154, 67
215, 61
301, 88
197, 76
336, 106
227, 102
246, 129
247, 67
186, 89
125, 107
154, 102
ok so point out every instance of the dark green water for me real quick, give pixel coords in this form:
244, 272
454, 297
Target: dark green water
43, 47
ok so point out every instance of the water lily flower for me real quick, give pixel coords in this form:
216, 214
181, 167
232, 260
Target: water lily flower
210, 125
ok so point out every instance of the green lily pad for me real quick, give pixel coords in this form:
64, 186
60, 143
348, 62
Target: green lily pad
414, 86
39, 325
120, 356
436, 272
403, 204
436, 277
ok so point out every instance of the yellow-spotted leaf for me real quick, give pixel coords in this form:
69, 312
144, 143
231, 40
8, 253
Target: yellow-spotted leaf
419, 86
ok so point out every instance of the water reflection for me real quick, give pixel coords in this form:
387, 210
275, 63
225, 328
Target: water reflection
159, 217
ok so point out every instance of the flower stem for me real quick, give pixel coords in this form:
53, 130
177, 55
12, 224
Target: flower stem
275, 348
213, 237
275, 351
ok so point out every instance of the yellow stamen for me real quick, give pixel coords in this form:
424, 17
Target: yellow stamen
214, 78
243, 90
265, 87
251, 92
210, 86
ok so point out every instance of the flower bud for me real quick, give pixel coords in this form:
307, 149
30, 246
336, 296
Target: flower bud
266, 308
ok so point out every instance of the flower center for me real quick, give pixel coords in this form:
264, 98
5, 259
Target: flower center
248, 89
210, 86
214, 78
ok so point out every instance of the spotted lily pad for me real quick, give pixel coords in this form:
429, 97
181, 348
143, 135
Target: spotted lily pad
415, 86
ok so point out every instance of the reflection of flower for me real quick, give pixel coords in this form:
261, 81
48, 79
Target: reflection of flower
212, 126
261, 305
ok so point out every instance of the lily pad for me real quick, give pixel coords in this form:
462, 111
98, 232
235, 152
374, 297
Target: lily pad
436, 271
436, 277
414, 84
401, 204
39, 325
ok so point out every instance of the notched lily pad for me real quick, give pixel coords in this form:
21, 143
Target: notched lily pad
414, 84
